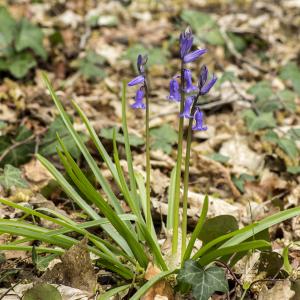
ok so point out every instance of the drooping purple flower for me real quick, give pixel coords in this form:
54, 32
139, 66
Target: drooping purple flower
193, 55
139, 96
198, 117
187, 108
205, 88
137, 80
186, 42
174, 91
141, 61
189, 87
202, 77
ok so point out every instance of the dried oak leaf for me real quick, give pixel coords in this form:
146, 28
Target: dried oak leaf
75, 270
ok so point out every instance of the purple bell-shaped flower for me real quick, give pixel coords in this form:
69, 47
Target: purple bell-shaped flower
174, 91
189, 87
139, 99
198, 117
187, 108
204, 86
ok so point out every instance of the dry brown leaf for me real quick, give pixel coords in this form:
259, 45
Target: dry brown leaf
280, 291
67, 292
36, 173
240, 155
160, 290
217, 173
75, 270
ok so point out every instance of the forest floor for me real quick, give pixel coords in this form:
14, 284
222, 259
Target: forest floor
248, 159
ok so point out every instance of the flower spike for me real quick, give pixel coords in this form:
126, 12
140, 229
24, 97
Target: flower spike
192, 56
198, 117
188, 81
139, 99
187, 108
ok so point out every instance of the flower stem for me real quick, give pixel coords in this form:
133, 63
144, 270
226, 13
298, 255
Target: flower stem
178, 168
186, 182
148, 167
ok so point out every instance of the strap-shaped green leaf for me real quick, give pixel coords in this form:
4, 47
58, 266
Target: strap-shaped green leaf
197, 230
213, 255
91, 162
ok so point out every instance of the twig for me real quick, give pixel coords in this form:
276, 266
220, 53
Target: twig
17, 144
230, 271
236, 54
9, 289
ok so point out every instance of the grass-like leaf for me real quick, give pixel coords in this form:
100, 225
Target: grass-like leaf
171, 195
143, 289
213, 255
89, 191
197, 230
262, 225
108, 295
91, 162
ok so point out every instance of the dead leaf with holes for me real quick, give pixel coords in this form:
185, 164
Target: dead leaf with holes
75, 270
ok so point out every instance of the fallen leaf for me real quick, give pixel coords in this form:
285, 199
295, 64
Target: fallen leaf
36, 173
75, 270
160, 290
280, 291
241, 155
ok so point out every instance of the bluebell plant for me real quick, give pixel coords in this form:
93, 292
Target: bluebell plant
187, 94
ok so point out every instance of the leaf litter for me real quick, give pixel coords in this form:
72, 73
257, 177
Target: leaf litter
256, 57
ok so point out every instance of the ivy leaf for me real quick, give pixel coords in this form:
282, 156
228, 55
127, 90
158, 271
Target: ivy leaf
294, 170
289, 147
197, 20
291, 72
287, 98
134, 140
205, 27
294, 133
163, 138
239, 42
156, 56
20, 154
30, 36
204, 282
20, 64
219, 157
262, 90
7, 29
240, 181
49, 143
42, 291
12, 178
262, 121
91, 66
